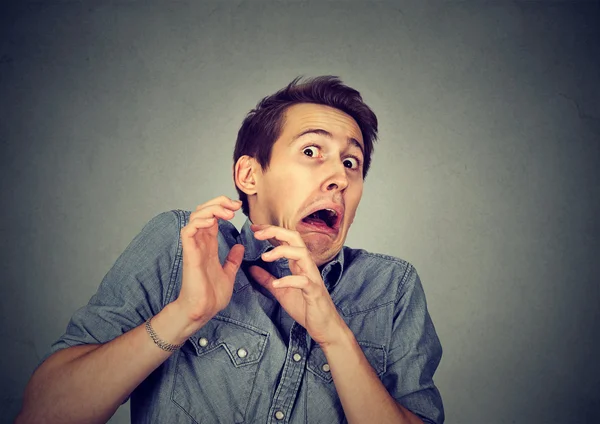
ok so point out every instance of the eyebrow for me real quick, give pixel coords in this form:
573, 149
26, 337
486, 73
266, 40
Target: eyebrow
351, 141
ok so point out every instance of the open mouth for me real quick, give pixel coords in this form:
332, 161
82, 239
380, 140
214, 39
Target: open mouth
326, 220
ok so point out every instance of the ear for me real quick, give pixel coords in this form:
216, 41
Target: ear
245, 173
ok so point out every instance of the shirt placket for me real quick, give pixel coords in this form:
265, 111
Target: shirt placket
291, 378
295, 361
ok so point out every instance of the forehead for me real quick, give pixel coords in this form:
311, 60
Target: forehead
303, 116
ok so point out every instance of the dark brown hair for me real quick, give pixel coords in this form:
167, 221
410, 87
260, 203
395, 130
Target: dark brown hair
263, 125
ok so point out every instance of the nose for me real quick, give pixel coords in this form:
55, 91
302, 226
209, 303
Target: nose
337, 180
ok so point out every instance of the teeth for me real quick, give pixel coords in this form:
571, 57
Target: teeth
329, 216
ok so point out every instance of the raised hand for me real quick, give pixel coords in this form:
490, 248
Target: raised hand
303, 294
207, 285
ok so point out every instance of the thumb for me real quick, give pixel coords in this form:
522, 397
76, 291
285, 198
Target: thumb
263, 277
233, 261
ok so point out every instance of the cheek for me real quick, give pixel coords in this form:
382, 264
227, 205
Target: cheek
352, 201
294, 179
285, 187
277, 177
287, 184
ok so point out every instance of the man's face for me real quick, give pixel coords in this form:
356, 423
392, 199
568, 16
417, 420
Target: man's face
314, 181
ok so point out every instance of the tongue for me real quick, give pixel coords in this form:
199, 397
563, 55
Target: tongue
315, 222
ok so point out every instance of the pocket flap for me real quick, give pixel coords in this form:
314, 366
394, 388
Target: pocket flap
376, 356
244, 343
317, 362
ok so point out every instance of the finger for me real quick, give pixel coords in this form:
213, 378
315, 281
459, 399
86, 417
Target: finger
213, 211
293, 238
264, 278
222, 201
300, 255
233, 261
301, 282
196, 224
295, 253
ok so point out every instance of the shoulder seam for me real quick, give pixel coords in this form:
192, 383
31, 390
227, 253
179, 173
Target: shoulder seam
397, 261
388, 258
407, 272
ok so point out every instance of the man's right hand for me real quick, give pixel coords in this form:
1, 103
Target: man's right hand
87, 383
207, 286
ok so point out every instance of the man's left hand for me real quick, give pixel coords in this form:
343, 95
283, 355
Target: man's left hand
303, 294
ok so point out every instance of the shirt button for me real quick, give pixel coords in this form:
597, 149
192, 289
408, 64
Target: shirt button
203, 342
325, 367
242, 353
297, 357
279, 415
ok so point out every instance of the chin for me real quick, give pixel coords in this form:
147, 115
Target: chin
323, 260
321, 254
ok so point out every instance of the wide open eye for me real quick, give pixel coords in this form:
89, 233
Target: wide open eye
311, 151
351, 163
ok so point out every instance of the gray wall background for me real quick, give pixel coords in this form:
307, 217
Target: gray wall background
485, 176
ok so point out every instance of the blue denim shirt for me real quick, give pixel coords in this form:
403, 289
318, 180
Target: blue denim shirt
252, 363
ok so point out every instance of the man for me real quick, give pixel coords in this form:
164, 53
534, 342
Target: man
197, 323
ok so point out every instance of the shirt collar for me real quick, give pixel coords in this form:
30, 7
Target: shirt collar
330, 272
253, 247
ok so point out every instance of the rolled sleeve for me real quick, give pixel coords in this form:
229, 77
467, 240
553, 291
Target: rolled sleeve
415, 353
134, 289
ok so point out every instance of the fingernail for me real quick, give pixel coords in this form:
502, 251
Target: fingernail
275, 283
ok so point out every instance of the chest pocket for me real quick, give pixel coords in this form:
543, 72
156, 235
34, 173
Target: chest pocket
370, 324
323, 403
216, 371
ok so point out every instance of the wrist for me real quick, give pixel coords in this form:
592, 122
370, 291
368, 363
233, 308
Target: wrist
344, 339
173, 325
